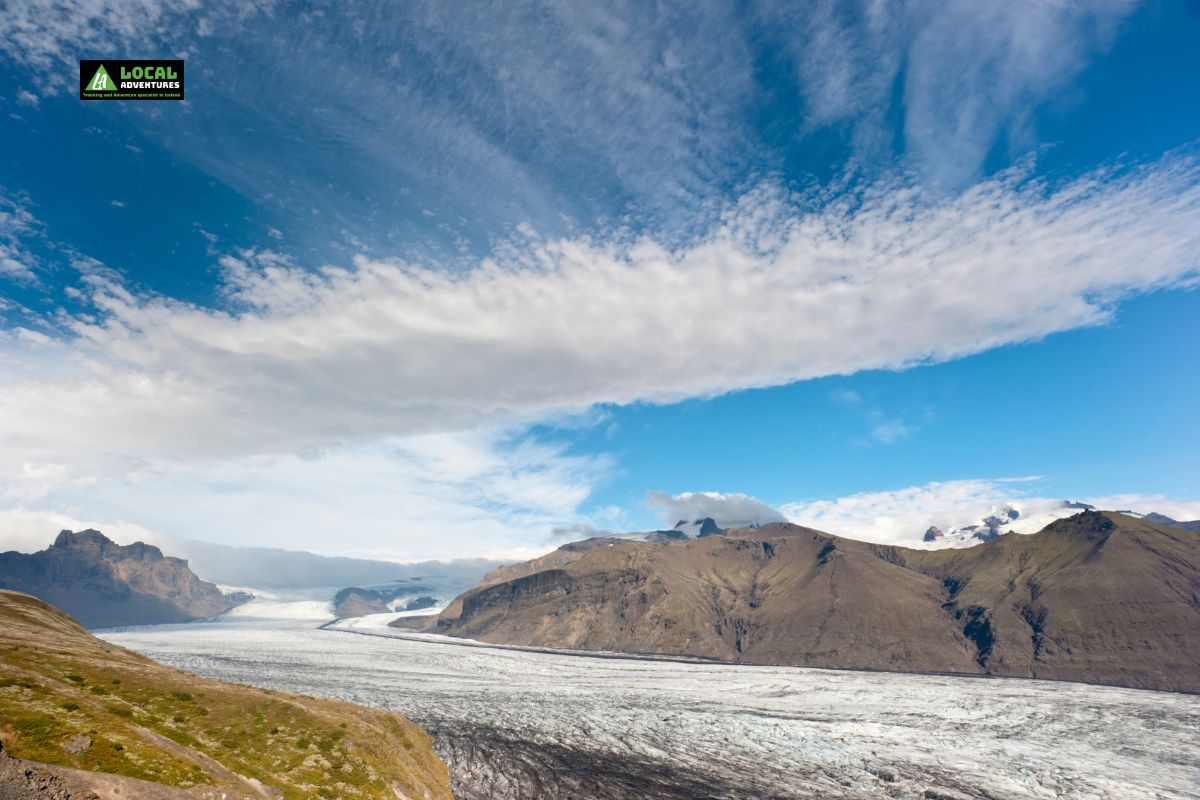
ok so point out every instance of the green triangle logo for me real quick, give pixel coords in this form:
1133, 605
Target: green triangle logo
100, 82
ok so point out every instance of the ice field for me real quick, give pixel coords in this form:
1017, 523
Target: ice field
515, 724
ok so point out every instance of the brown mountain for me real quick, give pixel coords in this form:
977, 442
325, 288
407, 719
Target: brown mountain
1099, 597
82, 718
103, 584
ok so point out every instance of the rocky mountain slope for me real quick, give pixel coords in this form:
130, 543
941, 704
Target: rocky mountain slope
1098, 597
103, 584
87, 716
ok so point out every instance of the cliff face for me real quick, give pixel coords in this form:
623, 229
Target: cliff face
103, 584
1099, 597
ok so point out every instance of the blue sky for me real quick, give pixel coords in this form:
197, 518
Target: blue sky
457, 280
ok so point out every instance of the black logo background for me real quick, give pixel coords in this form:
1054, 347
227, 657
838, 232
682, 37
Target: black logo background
88, 67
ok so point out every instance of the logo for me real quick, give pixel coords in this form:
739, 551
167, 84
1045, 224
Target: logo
128, 79
100, 81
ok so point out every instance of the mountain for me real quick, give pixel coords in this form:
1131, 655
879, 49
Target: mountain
273, 568
1162, 519
103, 584
1099, 597
79, 715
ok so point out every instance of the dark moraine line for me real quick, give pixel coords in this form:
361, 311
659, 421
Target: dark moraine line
488, 763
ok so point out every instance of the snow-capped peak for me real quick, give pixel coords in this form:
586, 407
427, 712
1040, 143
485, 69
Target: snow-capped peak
1015, 517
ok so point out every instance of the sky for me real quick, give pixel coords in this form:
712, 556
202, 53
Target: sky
442, 280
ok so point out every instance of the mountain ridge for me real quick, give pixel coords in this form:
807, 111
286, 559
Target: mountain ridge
104, 584
1098, 597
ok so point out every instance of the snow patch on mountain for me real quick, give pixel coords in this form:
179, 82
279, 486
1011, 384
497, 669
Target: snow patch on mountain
1009, 517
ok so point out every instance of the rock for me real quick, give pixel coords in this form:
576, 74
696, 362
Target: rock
944, 794
77, 744
418, 603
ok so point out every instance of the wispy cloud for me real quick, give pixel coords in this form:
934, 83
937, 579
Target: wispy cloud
891, 431
575, 117
963, 74
845, 397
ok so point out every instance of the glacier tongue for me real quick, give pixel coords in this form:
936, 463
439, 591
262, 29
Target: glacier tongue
513, 724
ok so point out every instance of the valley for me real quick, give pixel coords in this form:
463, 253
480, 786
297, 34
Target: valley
515, 724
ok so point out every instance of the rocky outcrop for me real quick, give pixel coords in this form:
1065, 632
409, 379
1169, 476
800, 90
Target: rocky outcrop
1098, 597
30, 780
356, 601
420, 603
103, 584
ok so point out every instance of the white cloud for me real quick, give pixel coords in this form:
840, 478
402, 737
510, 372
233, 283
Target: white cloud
1181, 510
316, 359
727, 510
436, 496
902, 516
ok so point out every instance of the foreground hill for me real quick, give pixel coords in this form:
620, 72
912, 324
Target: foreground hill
103, 584
1099, 597
101, 718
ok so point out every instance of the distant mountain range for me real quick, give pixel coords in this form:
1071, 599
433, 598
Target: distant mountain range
1100, 597
274, 568
103, 584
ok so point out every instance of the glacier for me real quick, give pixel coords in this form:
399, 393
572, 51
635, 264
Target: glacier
533, 725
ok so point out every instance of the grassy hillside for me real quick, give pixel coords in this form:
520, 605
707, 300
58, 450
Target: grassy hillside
61, 689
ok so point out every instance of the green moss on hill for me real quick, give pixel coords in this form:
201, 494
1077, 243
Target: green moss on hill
154, 723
